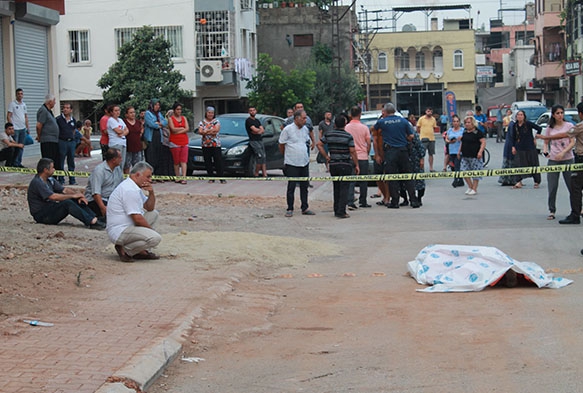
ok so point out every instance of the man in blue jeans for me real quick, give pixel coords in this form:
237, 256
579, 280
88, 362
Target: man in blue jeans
49, 202
17, 114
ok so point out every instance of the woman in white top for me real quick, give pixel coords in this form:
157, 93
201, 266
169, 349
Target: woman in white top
117, 131
559, 152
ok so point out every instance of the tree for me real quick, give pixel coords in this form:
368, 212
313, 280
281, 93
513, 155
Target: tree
332, 92
144, 70
272, 91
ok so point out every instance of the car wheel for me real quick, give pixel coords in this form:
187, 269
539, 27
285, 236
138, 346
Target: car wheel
251, 164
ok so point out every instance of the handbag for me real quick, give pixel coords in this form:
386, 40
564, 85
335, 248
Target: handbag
320, 158
28, 140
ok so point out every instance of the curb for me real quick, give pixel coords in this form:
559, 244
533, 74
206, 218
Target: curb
144, 368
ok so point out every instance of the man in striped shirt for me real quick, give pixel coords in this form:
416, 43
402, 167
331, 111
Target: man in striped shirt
342, 159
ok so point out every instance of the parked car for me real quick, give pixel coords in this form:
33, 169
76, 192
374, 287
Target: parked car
237, 156
492, 113
532, 109
571, 115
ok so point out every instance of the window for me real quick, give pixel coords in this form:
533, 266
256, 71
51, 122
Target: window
303, 40
246, 4
382, 62
402, 59
79, 46
420, 61
213, 35
458, 59
172, 34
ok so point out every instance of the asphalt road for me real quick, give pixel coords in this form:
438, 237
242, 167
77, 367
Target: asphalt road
355, 323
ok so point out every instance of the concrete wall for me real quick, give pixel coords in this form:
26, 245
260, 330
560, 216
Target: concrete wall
277, 27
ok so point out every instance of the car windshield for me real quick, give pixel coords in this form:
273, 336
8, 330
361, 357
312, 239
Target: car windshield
533, 113
571, 118
233, 124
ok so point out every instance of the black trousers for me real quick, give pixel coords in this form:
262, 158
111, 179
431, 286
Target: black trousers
213, 156
576, 189
8, 155
297, 171
397, 161
341, 188
51, 150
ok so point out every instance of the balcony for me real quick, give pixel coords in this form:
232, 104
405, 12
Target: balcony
550, 70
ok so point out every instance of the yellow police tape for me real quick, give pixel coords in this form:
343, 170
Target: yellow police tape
397, 176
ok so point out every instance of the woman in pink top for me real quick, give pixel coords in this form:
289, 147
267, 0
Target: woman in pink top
178, 141
559, 152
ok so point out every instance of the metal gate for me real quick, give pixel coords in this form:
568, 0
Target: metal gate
31, 66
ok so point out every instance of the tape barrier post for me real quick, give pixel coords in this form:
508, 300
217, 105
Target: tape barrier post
354, 178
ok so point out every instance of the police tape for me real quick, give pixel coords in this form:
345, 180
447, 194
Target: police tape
353, 178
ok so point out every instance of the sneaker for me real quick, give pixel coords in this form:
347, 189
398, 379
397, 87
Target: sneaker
99, 225
472, 192
468, 191
364, 205
352, 206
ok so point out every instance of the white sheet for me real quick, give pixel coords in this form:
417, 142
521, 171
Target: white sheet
454, 268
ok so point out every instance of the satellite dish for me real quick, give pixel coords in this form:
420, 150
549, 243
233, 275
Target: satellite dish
409, 27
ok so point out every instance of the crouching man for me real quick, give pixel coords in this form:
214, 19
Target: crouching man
49, 202
131, 214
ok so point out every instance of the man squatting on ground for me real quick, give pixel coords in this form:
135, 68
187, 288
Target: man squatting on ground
131, 214
8, 146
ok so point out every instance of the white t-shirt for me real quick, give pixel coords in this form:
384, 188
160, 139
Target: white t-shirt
18, 110
126, 199
114, 138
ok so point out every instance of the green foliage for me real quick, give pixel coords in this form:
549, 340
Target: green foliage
333, 92
322, 53
144, 70
272, 91
313, 83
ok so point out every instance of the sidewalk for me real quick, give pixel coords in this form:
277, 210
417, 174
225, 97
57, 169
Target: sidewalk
126, 327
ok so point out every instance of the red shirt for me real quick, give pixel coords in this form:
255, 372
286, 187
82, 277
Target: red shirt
178, 139
103, 128
134, 137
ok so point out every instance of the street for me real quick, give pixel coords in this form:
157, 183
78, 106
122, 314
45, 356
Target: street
353, 322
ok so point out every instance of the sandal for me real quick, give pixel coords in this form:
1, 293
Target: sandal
536, 185
381, 203
551, 216
375, 196
517, 185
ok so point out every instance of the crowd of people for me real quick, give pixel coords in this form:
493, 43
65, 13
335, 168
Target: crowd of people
156, 144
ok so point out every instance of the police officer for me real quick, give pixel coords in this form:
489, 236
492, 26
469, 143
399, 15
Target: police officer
394, 134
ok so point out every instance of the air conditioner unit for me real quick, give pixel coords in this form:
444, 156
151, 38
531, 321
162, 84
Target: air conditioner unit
211, 71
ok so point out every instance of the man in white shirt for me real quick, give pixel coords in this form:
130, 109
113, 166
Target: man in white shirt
292, 144
131, 214
17, 115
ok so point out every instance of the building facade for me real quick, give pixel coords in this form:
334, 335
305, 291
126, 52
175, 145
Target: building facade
213, 44
414, 69
28, 52
288, 34
550, 53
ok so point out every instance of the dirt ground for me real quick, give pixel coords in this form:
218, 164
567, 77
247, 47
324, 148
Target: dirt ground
40, 265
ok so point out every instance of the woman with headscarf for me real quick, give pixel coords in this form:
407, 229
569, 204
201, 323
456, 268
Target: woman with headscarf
524, 147
209, 128
154, 122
